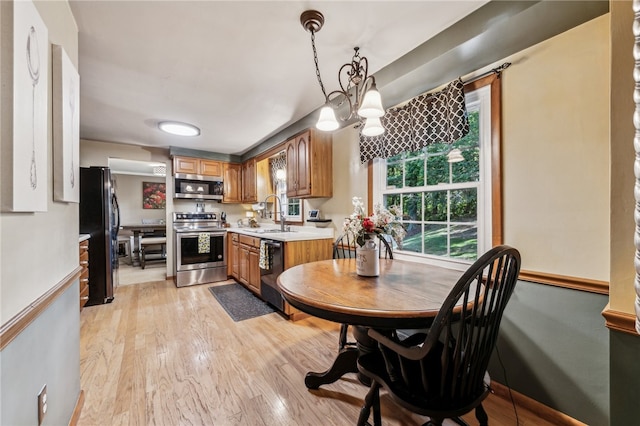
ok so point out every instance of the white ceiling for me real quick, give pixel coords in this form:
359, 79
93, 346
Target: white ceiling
239, 70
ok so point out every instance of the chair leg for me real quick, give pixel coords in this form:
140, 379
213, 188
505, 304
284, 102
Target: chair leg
142, 257
482, 416
372, 398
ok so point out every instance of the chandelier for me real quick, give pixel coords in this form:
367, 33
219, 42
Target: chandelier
357, 88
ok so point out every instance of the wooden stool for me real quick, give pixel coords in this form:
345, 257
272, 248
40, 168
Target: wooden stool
153, 247
124, 248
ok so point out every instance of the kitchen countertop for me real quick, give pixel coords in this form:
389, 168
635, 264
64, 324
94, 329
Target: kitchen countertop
297, 234
84, 237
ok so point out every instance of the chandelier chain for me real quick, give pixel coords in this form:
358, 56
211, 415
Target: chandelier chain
315, 59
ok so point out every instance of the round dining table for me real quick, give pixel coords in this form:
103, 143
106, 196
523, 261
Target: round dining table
406, 295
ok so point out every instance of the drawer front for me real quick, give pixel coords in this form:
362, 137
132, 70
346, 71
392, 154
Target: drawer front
250, 241
84, 259
234, 237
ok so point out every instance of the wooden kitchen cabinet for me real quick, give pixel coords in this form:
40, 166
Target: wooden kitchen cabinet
249, 190
232, 181
84, 275
299, 252
310, 165
197, 166
233, 265
249, 262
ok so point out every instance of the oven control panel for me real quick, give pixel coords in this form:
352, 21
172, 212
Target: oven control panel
192, 217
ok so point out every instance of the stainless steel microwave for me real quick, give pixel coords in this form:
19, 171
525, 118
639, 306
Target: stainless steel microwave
198, 187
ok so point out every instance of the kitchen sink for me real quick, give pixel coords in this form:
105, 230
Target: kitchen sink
267, 231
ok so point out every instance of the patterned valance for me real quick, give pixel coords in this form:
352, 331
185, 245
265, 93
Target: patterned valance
439, 117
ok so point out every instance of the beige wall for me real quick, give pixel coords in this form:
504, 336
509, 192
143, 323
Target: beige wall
129, 192
38, 250
349, 179
556, 153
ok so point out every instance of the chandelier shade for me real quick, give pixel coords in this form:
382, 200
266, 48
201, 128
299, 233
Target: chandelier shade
371, 104
372, 127
327, 121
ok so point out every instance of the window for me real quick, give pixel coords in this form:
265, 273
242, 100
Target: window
292, 206
446, 206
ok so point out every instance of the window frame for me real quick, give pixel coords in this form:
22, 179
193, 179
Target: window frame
491, 177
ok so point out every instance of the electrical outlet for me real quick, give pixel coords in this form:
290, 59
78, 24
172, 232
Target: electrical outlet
42, 404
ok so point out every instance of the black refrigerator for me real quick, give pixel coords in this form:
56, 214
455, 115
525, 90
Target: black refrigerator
100, 217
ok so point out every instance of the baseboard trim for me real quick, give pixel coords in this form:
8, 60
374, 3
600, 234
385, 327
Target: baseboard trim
544, 412
75, 417
12, 328
620, 321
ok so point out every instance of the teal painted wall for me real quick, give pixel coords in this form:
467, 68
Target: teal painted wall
46, 352
555, 349
625, 378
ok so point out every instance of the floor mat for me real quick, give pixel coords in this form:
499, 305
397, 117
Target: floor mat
239, 302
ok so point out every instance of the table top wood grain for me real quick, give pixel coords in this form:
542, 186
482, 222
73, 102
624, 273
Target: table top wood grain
406, 294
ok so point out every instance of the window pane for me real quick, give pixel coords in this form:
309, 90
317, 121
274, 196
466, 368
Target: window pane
469, 169
435, 239
413, 240
464, 241
438, 148
437, 170
394, 175
391, 200
412, 206
414, 172
435, 206
413, 154
464, 205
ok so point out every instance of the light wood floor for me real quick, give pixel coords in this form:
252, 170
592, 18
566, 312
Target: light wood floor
167, 356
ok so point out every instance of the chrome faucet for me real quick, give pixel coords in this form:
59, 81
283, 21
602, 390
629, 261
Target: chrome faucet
282, 218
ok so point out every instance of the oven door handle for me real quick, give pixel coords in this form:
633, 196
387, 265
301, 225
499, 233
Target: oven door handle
197, 234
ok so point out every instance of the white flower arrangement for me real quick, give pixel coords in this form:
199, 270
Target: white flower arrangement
382, 221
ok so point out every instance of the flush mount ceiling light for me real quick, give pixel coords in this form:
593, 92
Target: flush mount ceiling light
357, 87
179, 129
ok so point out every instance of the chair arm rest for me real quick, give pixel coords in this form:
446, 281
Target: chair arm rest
414, 352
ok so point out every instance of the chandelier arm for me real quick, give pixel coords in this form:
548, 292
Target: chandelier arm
338, 105
315, 60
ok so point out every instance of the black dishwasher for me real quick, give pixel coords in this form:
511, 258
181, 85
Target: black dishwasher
269, 287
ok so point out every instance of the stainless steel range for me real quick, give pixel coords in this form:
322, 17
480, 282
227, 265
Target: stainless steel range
200, 245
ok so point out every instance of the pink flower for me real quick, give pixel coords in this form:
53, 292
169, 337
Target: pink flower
368, 225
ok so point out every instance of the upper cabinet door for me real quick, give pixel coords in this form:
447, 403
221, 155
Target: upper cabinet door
185, 165
303, 164
310, 165
249, 192
232, 181
210, 168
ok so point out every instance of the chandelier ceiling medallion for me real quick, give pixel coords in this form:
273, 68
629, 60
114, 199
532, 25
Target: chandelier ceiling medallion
357, 88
